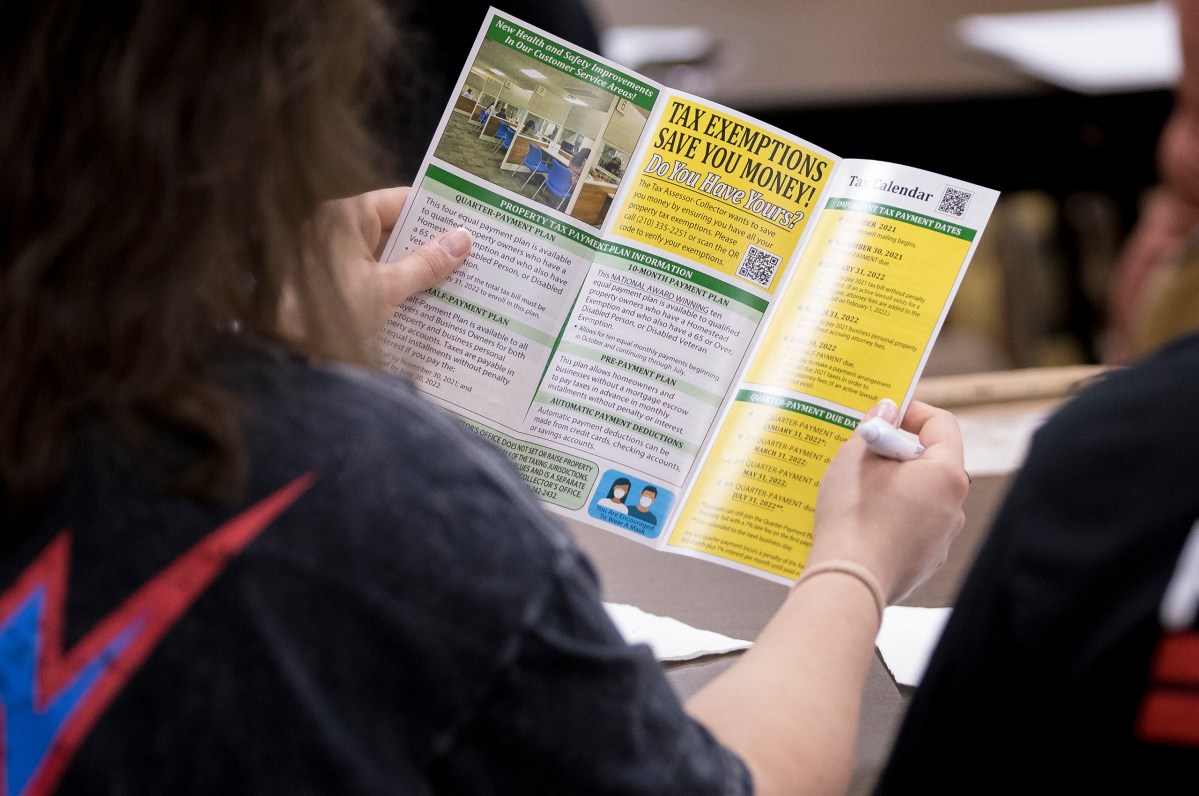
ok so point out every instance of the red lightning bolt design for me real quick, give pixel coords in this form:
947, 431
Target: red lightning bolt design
153, 610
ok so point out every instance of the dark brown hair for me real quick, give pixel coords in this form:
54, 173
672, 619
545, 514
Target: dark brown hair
160, 160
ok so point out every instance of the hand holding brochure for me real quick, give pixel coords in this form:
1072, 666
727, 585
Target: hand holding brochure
672, 314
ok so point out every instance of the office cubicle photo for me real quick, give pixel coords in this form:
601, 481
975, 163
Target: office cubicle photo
554, 121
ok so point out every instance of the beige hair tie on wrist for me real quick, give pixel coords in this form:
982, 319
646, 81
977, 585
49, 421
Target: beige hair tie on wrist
854, 570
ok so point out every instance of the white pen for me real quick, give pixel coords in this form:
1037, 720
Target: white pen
887, 440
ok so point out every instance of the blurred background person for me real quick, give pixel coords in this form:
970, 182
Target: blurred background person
1070, 662
1154, 273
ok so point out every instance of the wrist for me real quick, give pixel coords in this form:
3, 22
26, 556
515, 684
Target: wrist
851, 569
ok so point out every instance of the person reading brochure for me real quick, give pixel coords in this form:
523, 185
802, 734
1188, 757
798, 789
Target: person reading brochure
238, 558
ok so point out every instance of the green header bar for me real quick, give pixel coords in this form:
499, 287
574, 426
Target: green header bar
899, 214
762, 398
621, 421
540, 224
581, 66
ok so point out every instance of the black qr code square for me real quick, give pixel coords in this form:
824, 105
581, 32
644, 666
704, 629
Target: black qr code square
954, 201
758, 266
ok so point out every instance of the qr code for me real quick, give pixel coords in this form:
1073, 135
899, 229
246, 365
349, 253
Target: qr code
758, 266
954, 201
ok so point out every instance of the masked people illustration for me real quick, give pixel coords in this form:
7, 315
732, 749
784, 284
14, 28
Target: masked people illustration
617, 495
641, 510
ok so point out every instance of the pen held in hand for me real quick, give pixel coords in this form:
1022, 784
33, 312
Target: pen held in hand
886, 440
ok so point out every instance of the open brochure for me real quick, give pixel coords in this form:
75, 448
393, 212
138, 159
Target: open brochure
672, 314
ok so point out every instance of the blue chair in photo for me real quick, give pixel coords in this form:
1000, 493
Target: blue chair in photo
558, 182
482, 120
509, 137
505, 134
535, 162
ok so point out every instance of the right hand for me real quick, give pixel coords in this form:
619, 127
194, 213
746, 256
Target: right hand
357, 229
895, 518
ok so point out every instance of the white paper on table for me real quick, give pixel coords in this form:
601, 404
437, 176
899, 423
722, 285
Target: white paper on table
670, 639
996, 444
907, 639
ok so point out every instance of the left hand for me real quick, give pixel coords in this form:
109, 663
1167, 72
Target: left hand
357, 228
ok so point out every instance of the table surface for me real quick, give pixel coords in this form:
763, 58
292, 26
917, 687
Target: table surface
713, 597
718, 598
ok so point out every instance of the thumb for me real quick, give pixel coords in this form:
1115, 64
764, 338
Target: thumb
425, 267
887, 409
